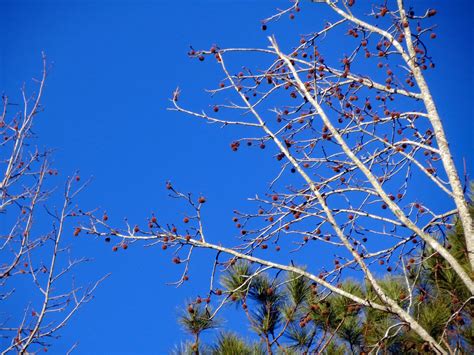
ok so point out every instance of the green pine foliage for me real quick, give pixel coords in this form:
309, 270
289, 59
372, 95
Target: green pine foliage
230, 344
291, 315
196, 319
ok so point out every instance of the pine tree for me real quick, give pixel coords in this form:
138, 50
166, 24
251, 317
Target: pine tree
290, 315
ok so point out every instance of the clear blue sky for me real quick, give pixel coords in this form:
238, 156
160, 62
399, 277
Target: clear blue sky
116, 64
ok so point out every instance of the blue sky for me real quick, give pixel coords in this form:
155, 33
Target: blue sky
115, 65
